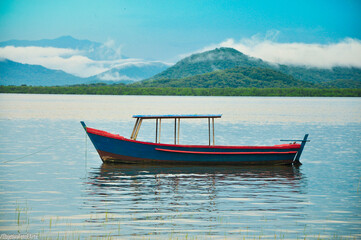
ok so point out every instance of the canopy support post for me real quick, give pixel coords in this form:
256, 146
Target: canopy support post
209, 131
175, 131
213, 129
160, 125
156, 130
135, 126
138, 128
178, 130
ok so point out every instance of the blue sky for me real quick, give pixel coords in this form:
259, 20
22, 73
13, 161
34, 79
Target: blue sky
321, 33
166, 29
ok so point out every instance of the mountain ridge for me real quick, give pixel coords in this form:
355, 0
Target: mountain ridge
59, 42
217, 59
14, 73
227, 58
238, 77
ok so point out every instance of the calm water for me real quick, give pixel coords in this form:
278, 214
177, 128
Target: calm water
52, 182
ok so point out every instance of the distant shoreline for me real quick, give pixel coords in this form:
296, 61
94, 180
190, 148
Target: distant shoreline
168, 91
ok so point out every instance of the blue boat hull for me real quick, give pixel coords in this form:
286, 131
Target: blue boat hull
114, 148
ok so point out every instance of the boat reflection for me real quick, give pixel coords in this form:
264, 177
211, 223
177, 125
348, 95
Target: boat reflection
149, 188
281, 173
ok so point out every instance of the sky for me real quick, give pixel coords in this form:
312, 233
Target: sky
296, 32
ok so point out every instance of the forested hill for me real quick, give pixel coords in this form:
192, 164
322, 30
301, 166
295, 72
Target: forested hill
323, 75
232, 78
217, 59
227, 58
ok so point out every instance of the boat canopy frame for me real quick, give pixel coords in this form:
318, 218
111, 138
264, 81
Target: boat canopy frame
177, 118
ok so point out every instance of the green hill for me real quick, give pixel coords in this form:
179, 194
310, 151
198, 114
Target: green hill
228, 58
217, 59
232, 78
322, 75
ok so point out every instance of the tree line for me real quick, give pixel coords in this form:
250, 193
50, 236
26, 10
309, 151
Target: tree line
100, 89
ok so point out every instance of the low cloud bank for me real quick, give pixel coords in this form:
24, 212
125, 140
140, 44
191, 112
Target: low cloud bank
346, 53
88, 62
114, 76
68, 60
72, 61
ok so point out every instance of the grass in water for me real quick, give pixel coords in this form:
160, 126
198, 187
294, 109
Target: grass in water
107, 226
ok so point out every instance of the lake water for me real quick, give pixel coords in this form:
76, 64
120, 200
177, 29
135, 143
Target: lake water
53, 183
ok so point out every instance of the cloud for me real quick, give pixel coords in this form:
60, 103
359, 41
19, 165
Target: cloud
30, 52
72, 61
115, 76
68, 60
106, 51
126, 70
139, 63
82, 58
346, 52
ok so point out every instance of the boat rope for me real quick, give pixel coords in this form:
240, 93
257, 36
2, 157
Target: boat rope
30, 154
86, 154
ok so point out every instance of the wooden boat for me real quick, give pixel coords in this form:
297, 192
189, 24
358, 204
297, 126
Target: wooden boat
115, 148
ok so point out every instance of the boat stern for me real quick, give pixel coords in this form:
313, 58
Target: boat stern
296, 160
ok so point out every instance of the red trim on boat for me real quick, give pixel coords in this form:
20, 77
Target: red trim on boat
223, 153
116, 136
104, 133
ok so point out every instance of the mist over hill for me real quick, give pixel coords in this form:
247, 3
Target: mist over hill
198, 67
13, 73
83, 61
93, 50
132, 72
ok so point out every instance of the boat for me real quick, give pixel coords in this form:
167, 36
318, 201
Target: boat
113, 148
